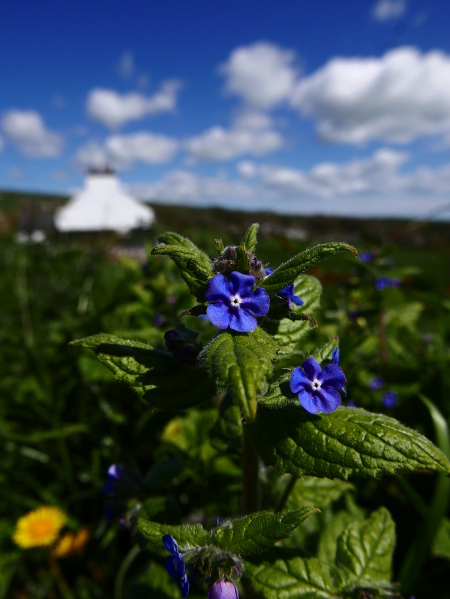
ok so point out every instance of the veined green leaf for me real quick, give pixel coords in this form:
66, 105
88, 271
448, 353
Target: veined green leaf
347, 442
326, 549
320, 491
245, 536
241, 363
155, 376
282, 574
194, 265
257, 532
365, 550
249, 239
286, 274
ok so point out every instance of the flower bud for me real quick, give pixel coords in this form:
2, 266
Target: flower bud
223, 589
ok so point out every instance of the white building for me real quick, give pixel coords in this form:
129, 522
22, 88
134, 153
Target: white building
103, 206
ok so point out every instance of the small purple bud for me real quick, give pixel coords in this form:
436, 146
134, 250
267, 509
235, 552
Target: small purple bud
390, 399
376, 383
366, 257
223, 589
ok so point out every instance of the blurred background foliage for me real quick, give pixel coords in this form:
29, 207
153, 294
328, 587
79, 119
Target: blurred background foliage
63, 420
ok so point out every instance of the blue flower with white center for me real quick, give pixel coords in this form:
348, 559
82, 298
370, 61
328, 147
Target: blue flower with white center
114, 474
233, 304
288, 293
384, 282
390, 399
317, 389
175, 565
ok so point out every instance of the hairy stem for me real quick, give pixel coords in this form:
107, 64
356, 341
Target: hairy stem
251, 482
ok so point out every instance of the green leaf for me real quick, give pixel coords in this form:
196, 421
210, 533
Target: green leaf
249, 240
288, 332
241, 363
279, 393
243, 261
320, 491
195, 266
257, 532
155, 376
326, 549
347, 442
282, 574
286, 274
187, 535
365, 550
441, 544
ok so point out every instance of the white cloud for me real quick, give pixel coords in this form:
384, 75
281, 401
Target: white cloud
385, 10
26, 130
114, 109
396, 98
251, 133
187, 187
262, 74
126, 65
123, 151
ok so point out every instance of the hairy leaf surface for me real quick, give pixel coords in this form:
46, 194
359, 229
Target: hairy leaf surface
347, 442
241, 363
153, 374
286, 274
249, 239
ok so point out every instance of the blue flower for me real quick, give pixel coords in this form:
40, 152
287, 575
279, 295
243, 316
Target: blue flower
318, 389
384, 282
223, 589
376, 383
115, 473
288, 293
175, 565
335, 356
366, 256
233, 304
390, 399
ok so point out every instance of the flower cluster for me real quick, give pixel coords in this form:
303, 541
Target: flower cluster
288, 293
233, 304
175, 565
317, 389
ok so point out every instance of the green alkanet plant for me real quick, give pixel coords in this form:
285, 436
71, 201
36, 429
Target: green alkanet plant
281, 408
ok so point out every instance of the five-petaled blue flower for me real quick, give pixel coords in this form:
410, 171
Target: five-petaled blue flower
384, 282
233, 304
175, 565
115, 473
288, 293
318, 389
390, 399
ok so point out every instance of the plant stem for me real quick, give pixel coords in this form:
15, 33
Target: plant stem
286, 494
251, 482
61, 582
120, 578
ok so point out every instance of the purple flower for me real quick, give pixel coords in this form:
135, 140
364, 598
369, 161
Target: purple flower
386, 282
288, 293
115, 473
175, 565
233, 304
318, 389
390, 399
366, 256
223, 589
376, 383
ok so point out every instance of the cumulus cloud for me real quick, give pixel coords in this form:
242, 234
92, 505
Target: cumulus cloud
123, 151
262, 74
27, 131
114, 110
385, 10
183, 186
251, 133
395, 98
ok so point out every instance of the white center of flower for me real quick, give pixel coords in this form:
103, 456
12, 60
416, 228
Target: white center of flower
316, 384
235, 301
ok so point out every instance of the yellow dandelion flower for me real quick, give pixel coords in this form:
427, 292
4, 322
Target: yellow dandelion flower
80, 540
71, 544
40, 527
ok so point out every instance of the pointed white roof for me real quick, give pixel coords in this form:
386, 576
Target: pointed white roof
103, 206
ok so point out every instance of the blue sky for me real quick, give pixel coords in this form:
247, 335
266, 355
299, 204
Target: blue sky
289, 105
